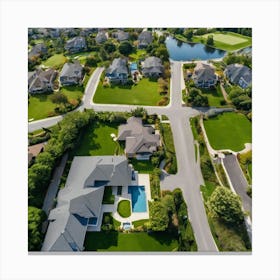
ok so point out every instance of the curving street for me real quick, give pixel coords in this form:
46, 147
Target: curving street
188, 177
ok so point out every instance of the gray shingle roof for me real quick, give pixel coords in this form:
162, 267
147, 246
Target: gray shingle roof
76, 43
203, 72
121, 35
118, 66
40, 79
237, 71
101, 37
37, 50
139, 138
152, 64
80, 199
72, 70
145, 38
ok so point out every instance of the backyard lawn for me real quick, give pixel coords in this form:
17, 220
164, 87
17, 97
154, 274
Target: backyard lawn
138, 54
96, 140
229, 131
82, 56
56, 61
228, 41
142, 166
214, 95
144, 93
40, 105
142, 241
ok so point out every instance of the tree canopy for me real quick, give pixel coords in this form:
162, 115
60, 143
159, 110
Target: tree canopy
35, 218
158, 217
125, 48
226, 205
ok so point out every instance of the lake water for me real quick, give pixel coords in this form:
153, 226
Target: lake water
188, 51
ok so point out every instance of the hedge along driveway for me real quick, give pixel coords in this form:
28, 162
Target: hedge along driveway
144, 93
229, 131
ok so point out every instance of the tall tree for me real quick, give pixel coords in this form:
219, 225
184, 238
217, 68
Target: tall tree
226, 205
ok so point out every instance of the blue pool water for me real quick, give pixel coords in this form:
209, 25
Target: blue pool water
138, 197
133, 66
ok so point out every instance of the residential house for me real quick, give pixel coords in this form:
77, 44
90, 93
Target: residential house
78, 208
239, 75
120, 35
41, 81
145, 38
71, 73
204, 75
37, 51
152, 67
101, 37
34, 151
140, 141
117, 71
76, 44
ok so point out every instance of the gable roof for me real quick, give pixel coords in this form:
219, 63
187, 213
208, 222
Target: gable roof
74, 69
139, 138
76, 43
121, 35
81, 199
118, 66
152, 64
37, 50
237, 71
40, 79
204, 72
145, 38
101, 37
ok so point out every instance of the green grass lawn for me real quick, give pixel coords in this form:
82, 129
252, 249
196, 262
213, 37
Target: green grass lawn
138, 54
108, 197
229, 131
227, 41
96, 140
142, 166
144, 93
40, 105
170, 155
214, 95
56, 61
124, 208
82, 56
133, 242
140, 222
207, 189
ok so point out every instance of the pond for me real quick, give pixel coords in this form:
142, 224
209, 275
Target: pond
181, 51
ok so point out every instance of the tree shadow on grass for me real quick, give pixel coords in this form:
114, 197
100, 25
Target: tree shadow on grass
163, 237
101, 240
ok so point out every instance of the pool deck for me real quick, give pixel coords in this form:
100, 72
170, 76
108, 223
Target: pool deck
142, 180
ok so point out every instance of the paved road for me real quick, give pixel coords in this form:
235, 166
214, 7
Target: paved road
189, 176
238, 180
53, 187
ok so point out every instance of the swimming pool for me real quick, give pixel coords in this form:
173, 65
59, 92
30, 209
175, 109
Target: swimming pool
138, 197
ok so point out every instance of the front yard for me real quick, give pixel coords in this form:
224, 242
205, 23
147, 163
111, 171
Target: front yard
144, 93
229, 131
134, 242
215, 96
40, 105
